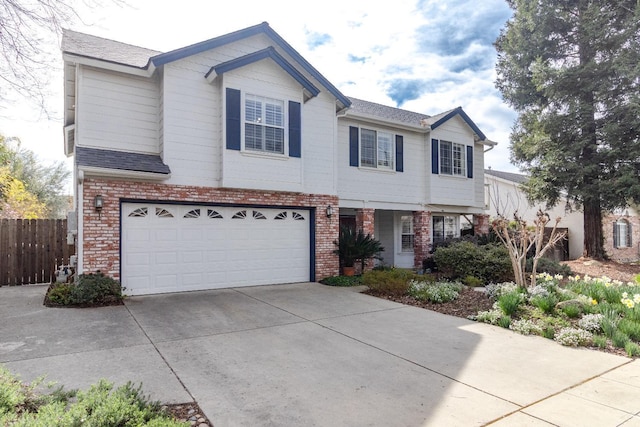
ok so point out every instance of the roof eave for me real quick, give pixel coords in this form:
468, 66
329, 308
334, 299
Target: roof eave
108, 65
377, 119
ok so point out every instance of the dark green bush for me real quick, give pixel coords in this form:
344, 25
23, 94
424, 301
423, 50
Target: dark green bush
549, 266
489, 263
343, 281
391, 282
88, 289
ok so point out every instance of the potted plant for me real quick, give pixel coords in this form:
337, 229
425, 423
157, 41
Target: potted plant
355, 246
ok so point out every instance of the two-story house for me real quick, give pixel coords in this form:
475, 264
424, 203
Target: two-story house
232, 162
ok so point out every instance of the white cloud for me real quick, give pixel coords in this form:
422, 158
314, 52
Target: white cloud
401, 41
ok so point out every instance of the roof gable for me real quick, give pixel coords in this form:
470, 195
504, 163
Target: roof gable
270, 53
262, 28
440, 119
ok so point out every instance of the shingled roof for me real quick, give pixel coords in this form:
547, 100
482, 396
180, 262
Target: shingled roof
509, 176
106, 50
386, 112
109, 159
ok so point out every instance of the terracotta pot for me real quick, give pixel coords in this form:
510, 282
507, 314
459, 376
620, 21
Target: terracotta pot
348, 271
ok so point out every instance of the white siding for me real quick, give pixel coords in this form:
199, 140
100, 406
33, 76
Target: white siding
117, 111
192, 126
382, 189
504, 197
456, 190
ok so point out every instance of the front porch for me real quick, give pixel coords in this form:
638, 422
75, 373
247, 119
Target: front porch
408, 236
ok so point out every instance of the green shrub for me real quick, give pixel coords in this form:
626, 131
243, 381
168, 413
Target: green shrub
504, 322
489, 263
101, 405
472, 281
89, 289
549, 266
344, 281
439, 292
390, 282
572, 311
573, 337
546, 303
619, 339
632, 349
510, 302
630, 328
600, 341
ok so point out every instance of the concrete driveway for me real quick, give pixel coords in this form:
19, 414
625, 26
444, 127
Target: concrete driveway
311, 355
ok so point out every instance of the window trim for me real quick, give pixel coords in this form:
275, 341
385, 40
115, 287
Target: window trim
376, 150
402, 234
619, 225
443, 151
284, 127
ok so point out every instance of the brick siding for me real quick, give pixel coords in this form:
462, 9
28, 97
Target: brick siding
101, 232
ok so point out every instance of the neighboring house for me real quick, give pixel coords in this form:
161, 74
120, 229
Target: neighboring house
232, 162
621, 228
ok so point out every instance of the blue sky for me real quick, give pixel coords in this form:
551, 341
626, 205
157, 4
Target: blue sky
421, 55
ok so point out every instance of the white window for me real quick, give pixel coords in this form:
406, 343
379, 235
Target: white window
445, 227
452, 158
376, 149
622, 234
406, 236
263, 124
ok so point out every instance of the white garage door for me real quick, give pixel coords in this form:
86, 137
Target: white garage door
173, 248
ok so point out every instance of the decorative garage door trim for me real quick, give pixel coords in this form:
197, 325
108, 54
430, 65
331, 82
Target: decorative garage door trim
141, 221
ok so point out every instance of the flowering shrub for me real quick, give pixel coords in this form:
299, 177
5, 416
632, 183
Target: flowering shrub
490, 316
591, 322
526, 327
438, 292
573, 337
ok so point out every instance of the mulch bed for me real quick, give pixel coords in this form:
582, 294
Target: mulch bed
468, 303
189, 412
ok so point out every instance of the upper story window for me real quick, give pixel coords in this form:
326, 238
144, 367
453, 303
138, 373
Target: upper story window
263, 124
622, 234
452, 158
376, 149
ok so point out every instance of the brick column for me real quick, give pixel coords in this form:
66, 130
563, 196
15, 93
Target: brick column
480, 224
365, 221
421, 237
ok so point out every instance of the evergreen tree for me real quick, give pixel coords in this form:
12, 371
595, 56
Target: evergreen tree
571, 69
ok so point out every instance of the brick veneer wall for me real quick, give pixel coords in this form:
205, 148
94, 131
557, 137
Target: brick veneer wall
365, 221
480, 224
421, 236
621, 254
101, 233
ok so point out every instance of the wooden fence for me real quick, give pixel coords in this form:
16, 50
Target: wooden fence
31, 249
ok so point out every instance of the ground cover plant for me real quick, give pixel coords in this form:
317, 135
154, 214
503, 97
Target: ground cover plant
576, 311
103, 405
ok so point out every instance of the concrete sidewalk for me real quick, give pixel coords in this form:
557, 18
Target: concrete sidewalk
307, 354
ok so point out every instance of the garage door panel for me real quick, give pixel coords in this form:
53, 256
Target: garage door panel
169, 248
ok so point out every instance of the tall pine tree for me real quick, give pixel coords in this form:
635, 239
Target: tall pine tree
571, 69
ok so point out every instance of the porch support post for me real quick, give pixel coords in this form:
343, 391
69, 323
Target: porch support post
421, 237
480, 224
365, 221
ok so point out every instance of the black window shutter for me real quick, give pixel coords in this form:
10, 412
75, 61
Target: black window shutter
469, 161
233, 109
353, 146
399, 153
629, 235
295, 130
435, 158
615, 234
